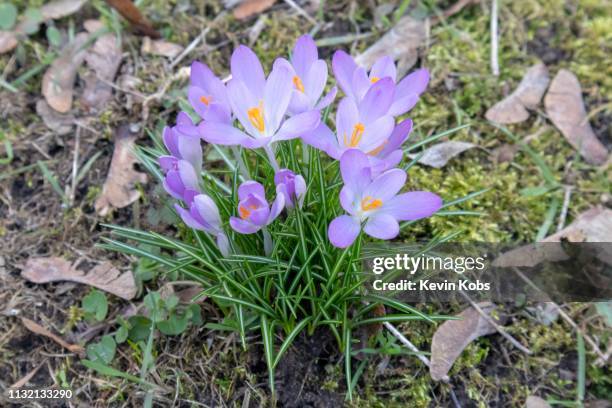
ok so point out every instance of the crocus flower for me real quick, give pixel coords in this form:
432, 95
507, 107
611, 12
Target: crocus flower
203, 215
375, 202
181, 181
309, 75
254, 211
259, 104
355, 81
291, 186
183, 142
366, 126
207, 94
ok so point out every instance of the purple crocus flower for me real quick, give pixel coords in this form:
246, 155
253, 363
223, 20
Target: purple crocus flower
291, 186
183, 142
254, 211
259, 104
207, 94
366, 126
355, 81
309, 75
203, 215
375, 202
181, 180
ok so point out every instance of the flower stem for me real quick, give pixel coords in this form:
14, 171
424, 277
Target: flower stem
271, 157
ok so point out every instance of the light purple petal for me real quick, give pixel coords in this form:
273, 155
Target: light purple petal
403, 104
304, 54
188, 175
223, 244
207, 210
343, 230
242, 226
415, 83
190, 149
315, 79
251, 187
384, 67
300, 189
377, 100
299, 102
188, 219
188, 195
355, 170
173, 185
343, 66
260, 215
167, 163
347, 117
277, 94
170, 141
195, 96
277, 207
386, 186
245, 67
347, 200
242, 99
327, 99
203, 77
412, 205
321, 138
361, 83
382, 226
184, 119
298, 125
391, 160
222, 134
398, 137
376, 133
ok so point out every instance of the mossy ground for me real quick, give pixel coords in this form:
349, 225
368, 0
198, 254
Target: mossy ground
209, 367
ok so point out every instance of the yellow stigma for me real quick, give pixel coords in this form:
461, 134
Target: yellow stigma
374, 80
256, 117
244, 213
356, 136
205, 100
377, 150
369, 203
298, 83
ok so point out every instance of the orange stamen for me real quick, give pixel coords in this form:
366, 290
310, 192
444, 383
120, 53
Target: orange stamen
256, 117
377, 150
244, 213
374, 80
205, 100
369, 203
356, 136
298, 83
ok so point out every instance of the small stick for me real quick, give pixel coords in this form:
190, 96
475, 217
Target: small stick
75, 165
300, 11
196, 41
564, 208
499, 328
494, 39
565, 317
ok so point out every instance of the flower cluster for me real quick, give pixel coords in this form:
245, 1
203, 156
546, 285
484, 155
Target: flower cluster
285, 105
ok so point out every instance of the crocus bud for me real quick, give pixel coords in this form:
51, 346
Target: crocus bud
291, 186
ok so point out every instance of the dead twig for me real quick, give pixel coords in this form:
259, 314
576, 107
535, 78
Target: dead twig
300, 11
494, 39
564, 208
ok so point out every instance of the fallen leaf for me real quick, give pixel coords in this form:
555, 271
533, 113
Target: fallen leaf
118, 190
594, 225
103, 59
536, 402
133, 15
160, 47
453, 336
439, 154
103, 276
250, 8
58, 81
401, 43
38, 329
50, 11
528, 94
565, 108
60, 123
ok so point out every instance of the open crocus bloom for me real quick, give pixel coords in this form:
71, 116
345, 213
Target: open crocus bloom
355, 81
366, 126
375, 202
183, 142
292, 186
181, 180
390, 153
309, 75
259, 104
253, 209
208, 95
203, 215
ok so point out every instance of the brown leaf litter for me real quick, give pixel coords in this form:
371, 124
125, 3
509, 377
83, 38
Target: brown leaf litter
58, 81
60, 123
103, 60
103, 276
528, 94
566, 110
51, 11
133, 15
160, 47
251, 8
42, 331
439, 155
118, 190
453, 336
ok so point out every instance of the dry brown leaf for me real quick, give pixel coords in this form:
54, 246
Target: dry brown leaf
38, 329
536, 402
160, 47
58, 81
439, 154
103, 276
103, 59
8, 41
453, 336
250, 8
118, 190
565, 108
401, 43
594, 225
527, 95
133, 15
60, 123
